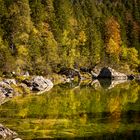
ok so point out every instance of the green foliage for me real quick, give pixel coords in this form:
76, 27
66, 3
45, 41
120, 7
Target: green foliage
6, 59
39, 35
130, 55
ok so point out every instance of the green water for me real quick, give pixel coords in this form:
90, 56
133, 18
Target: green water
86, 111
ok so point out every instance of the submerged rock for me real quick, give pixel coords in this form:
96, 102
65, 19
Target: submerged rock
6, 133
110, 73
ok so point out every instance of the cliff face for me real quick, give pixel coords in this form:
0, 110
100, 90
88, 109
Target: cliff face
45, 35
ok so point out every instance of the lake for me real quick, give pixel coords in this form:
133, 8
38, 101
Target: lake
95, 110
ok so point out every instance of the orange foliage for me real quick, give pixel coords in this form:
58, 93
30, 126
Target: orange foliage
113, 38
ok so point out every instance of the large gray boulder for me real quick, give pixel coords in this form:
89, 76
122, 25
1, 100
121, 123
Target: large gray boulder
110, 73
6, 89
39, 83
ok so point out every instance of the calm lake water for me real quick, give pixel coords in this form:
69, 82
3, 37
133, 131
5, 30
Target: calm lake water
95, 110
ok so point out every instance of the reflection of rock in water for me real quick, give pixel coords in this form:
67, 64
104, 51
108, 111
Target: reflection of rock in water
95, 84
70, 85
6, 133
3, 99
106, 83
116, 82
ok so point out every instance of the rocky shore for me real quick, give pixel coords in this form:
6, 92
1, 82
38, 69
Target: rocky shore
14, 87
38, 84
102, 73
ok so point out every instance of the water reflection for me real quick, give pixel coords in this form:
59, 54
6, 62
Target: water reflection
72, 110
97, 83
107, 83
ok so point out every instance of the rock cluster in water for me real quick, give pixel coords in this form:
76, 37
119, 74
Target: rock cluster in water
108, 72
8, 87
39, 83
105, 72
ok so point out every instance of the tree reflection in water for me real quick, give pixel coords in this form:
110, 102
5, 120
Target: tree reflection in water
73, 110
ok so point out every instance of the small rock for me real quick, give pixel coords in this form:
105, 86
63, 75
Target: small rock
26, 74
27, 82
94, 75
69, 73
85, 69
17, 139
10, 81
131, 77
6, 133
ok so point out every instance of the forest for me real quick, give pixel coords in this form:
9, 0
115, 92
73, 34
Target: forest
42, 36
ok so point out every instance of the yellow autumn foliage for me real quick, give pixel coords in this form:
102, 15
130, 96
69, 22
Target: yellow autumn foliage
113, 38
